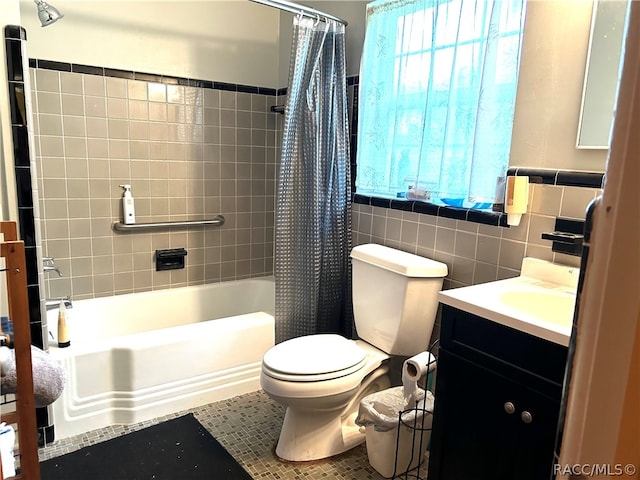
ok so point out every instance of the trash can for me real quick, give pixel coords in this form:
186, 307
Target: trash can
7, 443
392, 446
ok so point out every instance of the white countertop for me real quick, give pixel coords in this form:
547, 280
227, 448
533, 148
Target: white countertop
539, 302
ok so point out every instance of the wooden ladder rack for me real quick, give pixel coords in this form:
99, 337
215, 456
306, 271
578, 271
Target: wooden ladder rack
24, 415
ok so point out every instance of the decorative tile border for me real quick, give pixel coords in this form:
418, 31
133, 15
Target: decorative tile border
353, 83
168, 80
427, 208
561, 178
14, 36
152, 77
15, 32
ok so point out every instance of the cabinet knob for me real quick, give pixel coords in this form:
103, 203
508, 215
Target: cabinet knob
509, 408
526, 417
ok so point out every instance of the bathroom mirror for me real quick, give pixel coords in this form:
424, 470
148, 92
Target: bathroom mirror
602, 73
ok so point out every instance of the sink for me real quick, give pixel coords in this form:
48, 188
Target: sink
540, 301
554, 307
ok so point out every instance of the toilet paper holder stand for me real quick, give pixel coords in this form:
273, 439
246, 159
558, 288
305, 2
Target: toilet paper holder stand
420, 424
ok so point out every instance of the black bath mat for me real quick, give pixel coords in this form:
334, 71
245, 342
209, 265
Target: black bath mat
178, 449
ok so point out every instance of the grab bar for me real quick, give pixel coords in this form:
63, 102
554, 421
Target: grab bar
127, 227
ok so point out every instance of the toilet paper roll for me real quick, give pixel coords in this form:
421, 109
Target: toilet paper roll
418, 366
413, 370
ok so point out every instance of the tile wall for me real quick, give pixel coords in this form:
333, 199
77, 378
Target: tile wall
189, 152
27, 196
476, 253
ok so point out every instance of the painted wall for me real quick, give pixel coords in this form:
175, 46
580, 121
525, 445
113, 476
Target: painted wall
554, 56
226, 41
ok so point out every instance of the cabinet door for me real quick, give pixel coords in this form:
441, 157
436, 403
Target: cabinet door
473, 435
538, 415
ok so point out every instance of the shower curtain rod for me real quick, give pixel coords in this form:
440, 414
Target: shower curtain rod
299, 9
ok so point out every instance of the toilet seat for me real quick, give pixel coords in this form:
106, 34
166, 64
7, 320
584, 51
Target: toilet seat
313, 358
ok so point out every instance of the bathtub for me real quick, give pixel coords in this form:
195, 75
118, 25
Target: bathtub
138, 356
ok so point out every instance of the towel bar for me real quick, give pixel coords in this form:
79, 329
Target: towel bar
124, 227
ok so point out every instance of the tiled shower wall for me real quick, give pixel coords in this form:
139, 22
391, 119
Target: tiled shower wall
188, 152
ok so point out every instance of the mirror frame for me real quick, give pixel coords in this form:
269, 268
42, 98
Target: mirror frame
602, 73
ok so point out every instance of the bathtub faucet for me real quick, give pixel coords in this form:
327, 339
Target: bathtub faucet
50, 265
53, 303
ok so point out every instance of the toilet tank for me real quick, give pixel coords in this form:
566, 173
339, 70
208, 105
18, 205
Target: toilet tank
395, 298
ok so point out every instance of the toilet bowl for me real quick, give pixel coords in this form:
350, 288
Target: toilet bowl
321, 379
322, 405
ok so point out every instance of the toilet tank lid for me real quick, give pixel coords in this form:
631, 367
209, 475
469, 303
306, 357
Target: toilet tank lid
404, 263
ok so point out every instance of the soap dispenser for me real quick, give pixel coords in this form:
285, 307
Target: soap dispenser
128, 208
516, 199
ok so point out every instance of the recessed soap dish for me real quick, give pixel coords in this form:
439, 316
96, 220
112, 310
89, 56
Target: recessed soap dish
170, 259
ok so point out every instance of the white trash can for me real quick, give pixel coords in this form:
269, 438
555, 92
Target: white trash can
379, 414
7, 444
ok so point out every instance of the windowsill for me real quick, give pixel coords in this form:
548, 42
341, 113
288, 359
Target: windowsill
544, 176
485, 217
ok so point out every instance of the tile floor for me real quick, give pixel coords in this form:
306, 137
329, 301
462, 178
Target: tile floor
248, 427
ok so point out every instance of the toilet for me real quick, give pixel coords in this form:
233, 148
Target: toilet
320, 379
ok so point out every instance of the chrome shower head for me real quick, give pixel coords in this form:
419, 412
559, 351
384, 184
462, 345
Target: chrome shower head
47, 13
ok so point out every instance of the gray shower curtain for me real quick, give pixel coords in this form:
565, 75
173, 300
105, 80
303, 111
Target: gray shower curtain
313, 210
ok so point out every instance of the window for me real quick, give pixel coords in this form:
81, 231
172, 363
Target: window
438, 84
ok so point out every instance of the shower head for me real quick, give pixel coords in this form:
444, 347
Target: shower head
47, 13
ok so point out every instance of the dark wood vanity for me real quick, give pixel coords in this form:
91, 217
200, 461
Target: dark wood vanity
497, 401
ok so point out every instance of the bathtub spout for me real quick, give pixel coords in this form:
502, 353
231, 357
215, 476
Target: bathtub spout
52, 268
53, 303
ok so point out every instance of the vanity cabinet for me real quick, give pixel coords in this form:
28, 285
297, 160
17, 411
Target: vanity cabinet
497, 401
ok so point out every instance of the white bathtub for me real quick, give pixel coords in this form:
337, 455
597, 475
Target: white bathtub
138, 356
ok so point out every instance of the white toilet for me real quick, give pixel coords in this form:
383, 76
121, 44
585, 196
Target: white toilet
322, 378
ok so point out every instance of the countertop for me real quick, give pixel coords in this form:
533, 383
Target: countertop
540, 302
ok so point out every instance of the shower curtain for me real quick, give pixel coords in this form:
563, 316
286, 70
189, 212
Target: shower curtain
313, 210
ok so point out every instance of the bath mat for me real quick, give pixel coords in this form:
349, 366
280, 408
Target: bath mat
178, 449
